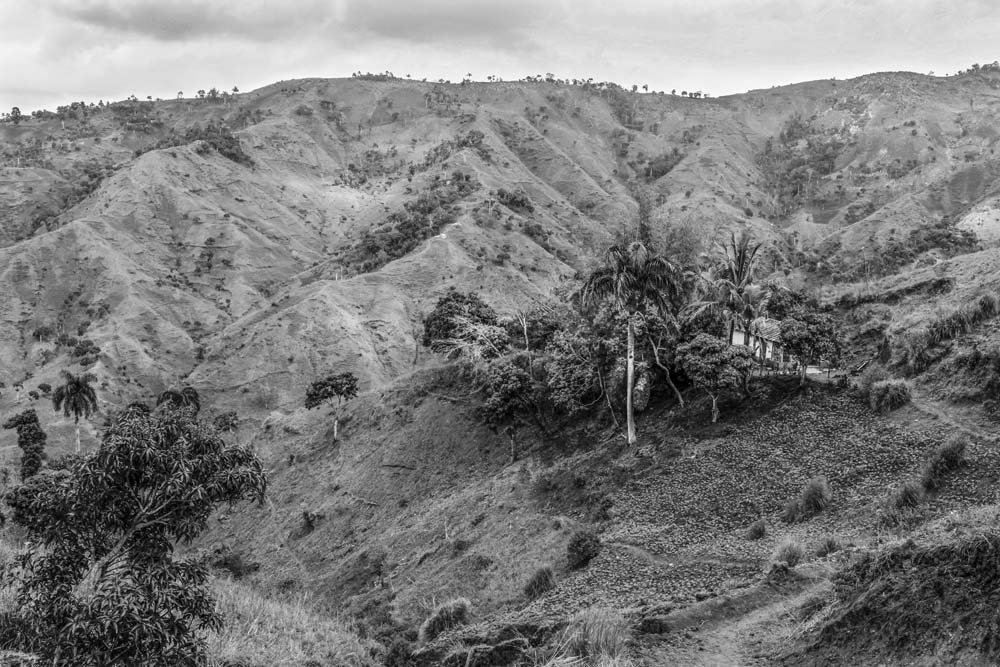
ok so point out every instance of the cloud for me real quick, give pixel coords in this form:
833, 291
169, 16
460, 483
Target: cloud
181, 20
497, 24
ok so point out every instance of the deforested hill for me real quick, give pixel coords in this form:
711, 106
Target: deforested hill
310, 223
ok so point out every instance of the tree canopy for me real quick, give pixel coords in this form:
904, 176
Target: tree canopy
100, 583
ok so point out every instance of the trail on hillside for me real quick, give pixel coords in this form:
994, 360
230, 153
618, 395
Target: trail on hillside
950, 416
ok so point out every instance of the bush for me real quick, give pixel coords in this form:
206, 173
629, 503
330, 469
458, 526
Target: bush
905, 496
583, 547
828, 546
948, 457
789, 552
541, 581
446, 616
887, 395
757, 530
597, 633
815, 497
874, 373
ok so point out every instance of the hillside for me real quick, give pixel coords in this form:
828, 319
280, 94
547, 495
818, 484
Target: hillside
249, 244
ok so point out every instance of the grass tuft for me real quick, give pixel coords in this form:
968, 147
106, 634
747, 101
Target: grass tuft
947, 458
828, 546
888, 395
260, 631
541, 581
905, 496
447, 616
789, 552
813, 499
583, 547
596, 635
757, 530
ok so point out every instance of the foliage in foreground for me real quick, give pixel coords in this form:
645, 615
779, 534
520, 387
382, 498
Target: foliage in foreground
261, 631
99, 582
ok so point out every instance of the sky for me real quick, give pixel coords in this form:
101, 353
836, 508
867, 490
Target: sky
56, 51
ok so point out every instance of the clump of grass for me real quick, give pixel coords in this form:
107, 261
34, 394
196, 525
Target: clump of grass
583, 547
598, 635
828, 546
447, 616
813, 499
887, 395
960, 321
541, 581
262, 631
874, 373
948, 457
757, 530
905, 496
789, 552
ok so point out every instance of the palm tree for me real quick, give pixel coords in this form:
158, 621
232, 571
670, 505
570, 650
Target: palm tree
631, 277
735, 280
76, 397
186, 397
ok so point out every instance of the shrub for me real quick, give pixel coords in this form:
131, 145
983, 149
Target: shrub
887, 395
874, 373
541, 581
828, 546
757, 530
815, 497
597, 633
946, 458
789, 552
790, 512
905, 496
441, 324
583, 547
446, 616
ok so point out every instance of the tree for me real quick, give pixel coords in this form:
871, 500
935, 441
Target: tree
715, 365
733, 284
442, 324
343, 387
631, 277
76, 397
187, 397
15, 115
99, 583
31, 439
810, 335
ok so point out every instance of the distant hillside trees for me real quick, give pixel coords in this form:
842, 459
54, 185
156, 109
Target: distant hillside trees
31, 439
453, 321
76, 397
100, 582
342, 387
187, 397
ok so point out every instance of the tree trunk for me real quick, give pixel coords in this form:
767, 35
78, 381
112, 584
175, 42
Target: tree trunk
666, 371
802, 377
336, 420
77, 437
715, 407
630, 378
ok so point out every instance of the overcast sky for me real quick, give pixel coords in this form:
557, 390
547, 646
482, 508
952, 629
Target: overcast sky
56, 51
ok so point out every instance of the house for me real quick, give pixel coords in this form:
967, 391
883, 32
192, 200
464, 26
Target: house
764, 339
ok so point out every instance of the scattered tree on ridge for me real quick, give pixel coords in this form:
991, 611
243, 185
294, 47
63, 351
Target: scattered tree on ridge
99, 583
76, 397
185, 398
343, 387
715, 365
631, 277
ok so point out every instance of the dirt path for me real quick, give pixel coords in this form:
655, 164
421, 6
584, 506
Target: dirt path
743, 638
952, 416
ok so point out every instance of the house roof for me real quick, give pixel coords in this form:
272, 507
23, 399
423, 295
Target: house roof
767, 328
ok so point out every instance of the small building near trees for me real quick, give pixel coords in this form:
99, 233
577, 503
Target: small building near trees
764, 340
